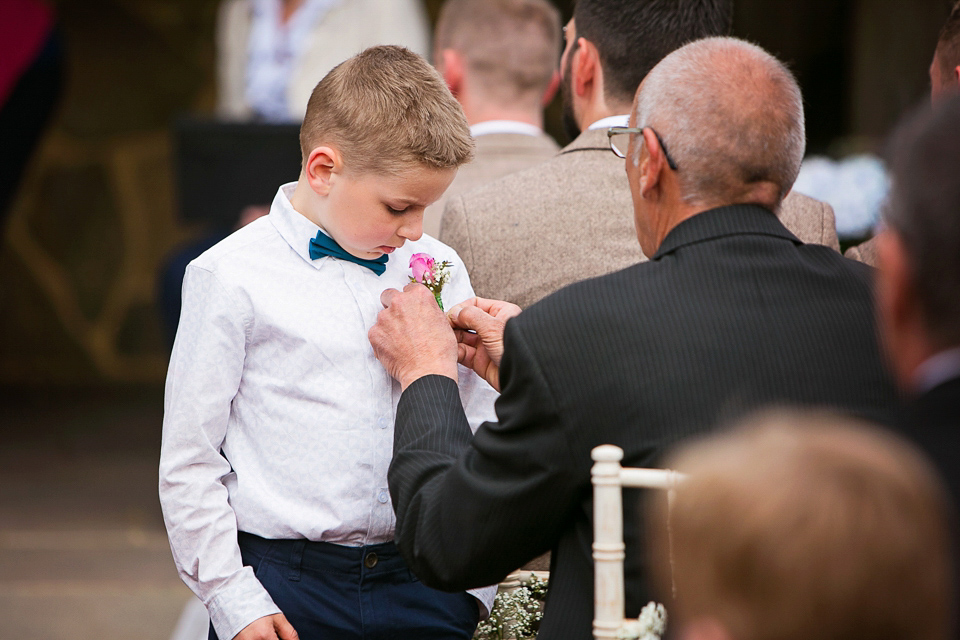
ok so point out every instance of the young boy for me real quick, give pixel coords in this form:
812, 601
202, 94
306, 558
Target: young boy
278, 423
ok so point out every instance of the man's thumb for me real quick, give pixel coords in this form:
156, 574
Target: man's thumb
284, 629
475, 319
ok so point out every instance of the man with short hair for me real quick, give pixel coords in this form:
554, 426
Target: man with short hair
499, 58
531, 233
800, 526
732, 312
918, 289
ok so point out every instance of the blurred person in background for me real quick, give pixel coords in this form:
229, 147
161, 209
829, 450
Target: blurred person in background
944, 80
499, 58
800, 526
272, 53
515, 234
31, 79
918, 288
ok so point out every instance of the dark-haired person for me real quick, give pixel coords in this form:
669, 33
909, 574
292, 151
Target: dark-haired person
515, 235
944, 80
918, 291
731, 313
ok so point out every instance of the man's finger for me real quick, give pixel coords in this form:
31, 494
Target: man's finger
387, 296
284, 629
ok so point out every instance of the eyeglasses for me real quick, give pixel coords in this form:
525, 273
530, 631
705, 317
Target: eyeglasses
620, 138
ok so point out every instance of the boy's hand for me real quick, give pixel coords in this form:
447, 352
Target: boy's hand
482, 351
273, 627
412, 337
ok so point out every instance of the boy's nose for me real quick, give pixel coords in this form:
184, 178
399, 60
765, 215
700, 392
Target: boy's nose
412, 227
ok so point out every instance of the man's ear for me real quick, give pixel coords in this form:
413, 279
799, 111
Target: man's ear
551, 89
899, 318
452, 69
321, 165
956, 74
585, 67
652, 162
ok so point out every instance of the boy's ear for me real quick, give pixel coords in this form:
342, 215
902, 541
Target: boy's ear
321, 165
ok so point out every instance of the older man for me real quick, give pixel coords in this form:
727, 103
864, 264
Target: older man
499, 58
732, 312
531, 233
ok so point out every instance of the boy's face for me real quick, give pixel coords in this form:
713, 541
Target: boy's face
373, 214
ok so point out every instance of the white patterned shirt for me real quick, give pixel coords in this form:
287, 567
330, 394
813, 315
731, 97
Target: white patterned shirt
272, 367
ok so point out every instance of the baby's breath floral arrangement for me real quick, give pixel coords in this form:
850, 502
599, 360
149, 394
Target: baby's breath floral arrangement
651, 624
516, 613
430, 273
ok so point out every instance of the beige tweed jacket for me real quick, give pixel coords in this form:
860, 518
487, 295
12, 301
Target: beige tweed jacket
497, 155
865, 252
528, 234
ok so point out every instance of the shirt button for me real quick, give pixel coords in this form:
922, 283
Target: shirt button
370, 561
384, 423
383, 497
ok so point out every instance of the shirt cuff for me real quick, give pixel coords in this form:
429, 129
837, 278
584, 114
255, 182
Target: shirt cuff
484, 596
239, 602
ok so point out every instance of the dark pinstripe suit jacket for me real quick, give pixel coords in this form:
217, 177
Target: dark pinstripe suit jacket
733, 313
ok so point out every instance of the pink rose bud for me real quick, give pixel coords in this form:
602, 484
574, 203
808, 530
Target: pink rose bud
422, 266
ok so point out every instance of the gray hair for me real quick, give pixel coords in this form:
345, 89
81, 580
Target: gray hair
924, 210
731, 116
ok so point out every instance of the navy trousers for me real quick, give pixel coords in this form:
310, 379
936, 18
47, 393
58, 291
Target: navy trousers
328, 591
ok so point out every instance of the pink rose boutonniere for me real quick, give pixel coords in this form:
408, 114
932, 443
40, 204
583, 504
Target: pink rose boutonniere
430, 273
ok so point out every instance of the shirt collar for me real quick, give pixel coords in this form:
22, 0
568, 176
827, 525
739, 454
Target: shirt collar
736, 219
611, 121
936, 370
293, 226
504, 126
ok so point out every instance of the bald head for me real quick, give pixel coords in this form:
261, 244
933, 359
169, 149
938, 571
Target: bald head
731, 116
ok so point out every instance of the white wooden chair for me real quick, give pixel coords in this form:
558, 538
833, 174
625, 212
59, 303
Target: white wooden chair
609, 478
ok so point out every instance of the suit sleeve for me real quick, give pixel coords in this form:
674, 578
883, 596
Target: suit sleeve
470, 510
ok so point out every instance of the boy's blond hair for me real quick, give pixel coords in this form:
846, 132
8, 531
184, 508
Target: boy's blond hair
798, 526
386, 110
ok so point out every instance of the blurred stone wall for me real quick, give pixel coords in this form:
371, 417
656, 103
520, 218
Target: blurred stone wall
94, 215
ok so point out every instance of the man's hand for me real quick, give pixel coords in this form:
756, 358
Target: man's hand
412, 338
482, 351
273, 627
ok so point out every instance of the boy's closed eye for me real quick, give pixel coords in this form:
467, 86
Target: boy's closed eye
398, 210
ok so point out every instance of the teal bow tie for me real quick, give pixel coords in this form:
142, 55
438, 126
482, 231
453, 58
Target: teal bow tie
323, 246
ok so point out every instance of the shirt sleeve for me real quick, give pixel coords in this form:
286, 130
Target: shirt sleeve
202, 380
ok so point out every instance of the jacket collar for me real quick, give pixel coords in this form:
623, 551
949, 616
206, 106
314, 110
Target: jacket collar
736, 219
591, 140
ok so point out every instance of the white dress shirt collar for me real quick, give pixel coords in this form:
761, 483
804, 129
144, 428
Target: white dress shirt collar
610, 121
504, 126
293, 226
937, 370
